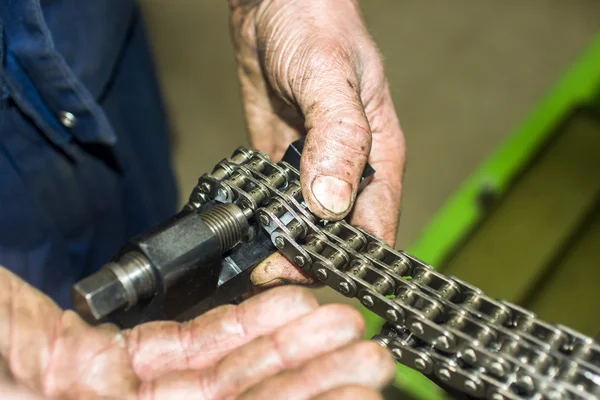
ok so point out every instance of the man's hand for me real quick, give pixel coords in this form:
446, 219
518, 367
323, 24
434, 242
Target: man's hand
310, 67
277, 345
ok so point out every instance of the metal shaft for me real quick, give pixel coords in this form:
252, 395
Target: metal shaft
157, 260
228, 222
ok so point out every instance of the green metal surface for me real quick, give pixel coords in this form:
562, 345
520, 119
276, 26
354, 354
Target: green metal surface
569, 294
580, 85
516, 244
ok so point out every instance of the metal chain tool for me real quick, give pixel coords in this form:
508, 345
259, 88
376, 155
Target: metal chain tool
439, 325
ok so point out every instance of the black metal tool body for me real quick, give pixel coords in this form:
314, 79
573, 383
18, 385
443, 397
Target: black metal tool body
163, 273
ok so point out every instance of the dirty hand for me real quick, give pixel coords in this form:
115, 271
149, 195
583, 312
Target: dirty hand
277, 345
310, 67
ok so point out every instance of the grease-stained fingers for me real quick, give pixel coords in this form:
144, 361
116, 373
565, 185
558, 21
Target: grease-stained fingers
53, 352
277, 270
363, 363
328, 328
160, 347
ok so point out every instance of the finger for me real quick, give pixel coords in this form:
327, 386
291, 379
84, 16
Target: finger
384, 192
327, 329
324, 330
339, 135
160, 347
8, 388
11, 391
377, 208
276, 270
33, 316
55, 351
313, 64
84, 360
351, 392
364, 363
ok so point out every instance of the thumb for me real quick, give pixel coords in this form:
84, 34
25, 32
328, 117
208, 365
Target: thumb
337, 146
276, 270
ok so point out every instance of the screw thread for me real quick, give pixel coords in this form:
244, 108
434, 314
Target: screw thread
228, 223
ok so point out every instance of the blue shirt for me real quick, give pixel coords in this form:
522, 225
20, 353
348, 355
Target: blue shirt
84, 145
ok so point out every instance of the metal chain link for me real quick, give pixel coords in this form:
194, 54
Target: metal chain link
439, 325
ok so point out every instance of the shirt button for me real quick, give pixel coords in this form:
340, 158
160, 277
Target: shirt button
67, 119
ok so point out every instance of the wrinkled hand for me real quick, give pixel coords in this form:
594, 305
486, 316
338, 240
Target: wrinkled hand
277, 345
310, 67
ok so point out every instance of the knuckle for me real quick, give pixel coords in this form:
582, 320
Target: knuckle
379, 357
344, 315
374, 359
279, 353
321, 61
371, 351
349, 139
327, 52
342, 120
340, 151
295, 296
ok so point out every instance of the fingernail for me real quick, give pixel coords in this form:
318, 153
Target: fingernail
261, 274
332, 193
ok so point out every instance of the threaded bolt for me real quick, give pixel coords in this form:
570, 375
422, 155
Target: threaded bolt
228, 223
